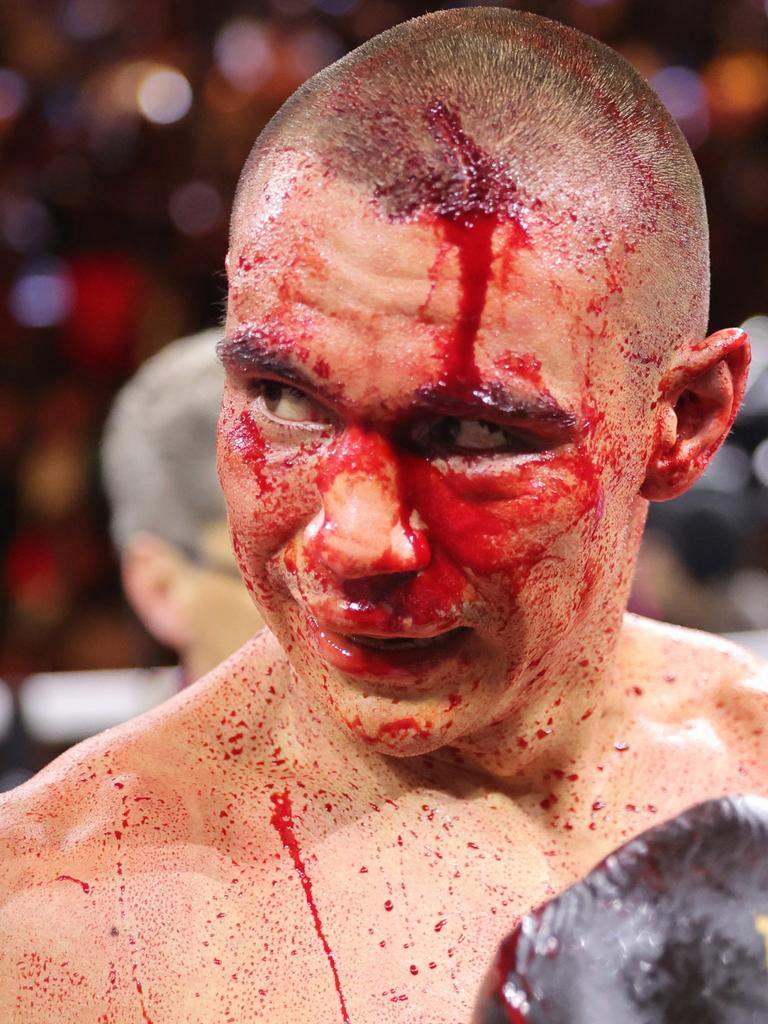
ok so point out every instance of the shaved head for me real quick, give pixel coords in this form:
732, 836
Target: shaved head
502, 113
464, 344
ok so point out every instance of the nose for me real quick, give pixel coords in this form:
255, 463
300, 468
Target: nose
364, 528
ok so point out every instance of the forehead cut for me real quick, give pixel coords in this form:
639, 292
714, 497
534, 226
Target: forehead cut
509, 114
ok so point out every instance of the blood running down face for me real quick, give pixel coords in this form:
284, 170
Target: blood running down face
464, 343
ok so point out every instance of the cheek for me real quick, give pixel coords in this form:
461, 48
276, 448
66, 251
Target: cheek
270, 490
507, 527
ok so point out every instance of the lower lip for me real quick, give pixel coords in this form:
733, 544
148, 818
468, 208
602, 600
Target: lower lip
359, 659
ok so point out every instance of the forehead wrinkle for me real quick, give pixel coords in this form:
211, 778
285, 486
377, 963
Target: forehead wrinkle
370, 265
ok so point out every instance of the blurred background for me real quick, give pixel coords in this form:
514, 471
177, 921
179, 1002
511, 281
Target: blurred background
123, 127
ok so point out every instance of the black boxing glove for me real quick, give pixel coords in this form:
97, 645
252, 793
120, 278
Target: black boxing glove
672, 928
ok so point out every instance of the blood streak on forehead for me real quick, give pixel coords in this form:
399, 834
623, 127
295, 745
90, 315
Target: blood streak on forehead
467, 207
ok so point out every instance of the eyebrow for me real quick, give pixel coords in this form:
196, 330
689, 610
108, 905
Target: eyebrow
258, 351
497, 398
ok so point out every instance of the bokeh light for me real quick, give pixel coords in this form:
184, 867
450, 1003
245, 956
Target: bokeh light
757, 329
312, 49
737, 84
88, 19
682, 92
42, 295
760, 462
164, 95
25, 224
337, 8
243, 53
196, 207
728, 472
13, 94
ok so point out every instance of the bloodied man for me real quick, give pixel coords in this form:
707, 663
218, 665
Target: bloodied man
466, 344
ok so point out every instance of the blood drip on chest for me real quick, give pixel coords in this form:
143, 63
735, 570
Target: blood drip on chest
282, 822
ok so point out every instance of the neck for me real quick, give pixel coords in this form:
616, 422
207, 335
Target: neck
573, 707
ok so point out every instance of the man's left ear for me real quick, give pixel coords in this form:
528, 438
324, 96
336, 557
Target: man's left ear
698, 402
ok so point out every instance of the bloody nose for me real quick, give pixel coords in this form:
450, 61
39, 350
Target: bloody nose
364, 528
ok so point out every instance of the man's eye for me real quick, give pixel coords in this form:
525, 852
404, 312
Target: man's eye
287, 403
478, 436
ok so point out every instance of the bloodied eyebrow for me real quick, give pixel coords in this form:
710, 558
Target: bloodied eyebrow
262, 352
496, 400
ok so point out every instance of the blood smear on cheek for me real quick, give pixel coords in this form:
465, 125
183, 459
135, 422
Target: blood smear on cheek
478, 533
245, 443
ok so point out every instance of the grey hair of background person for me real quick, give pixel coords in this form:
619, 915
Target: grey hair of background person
158, 452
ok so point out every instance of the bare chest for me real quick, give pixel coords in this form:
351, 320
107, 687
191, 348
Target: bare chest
391, 914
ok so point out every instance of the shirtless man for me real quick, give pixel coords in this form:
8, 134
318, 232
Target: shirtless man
465, 346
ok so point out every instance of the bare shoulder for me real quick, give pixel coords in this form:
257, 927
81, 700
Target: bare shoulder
687, 650
696, 672
92, 794
117, 828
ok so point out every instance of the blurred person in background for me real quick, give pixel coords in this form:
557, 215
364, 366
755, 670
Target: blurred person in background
170, 530
168, 519
690, 572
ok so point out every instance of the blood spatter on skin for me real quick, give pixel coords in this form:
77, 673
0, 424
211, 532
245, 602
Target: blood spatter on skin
283, 823
321, 368
387, 730
523, 365
85, 886
248, 260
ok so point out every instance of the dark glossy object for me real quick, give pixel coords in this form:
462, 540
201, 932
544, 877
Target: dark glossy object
670, 929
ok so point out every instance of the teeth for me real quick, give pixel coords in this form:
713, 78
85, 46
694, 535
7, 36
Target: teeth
395, 642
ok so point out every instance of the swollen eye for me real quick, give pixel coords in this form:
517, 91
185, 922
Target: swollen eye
287, 403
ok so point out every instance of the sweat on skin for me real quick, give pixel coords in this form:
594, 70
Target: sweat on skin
450, 393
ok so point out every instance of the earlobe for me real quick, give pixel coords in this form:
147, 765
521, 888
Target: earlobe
697, 405
152, 570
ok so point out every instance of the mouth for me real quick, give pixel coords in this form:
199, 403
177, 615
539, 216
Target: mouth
364, 654
401, 643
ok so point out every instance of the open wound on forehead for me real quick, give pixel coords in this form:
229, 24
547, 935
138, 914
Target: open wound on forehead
466, 200
466, 183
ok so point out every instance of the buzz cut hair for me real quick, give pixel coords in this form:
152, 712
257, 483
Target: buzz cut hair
563, 124
158, 451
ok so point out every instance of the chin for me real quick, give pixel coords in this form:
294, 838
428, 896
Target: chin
396, 725
398, 735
